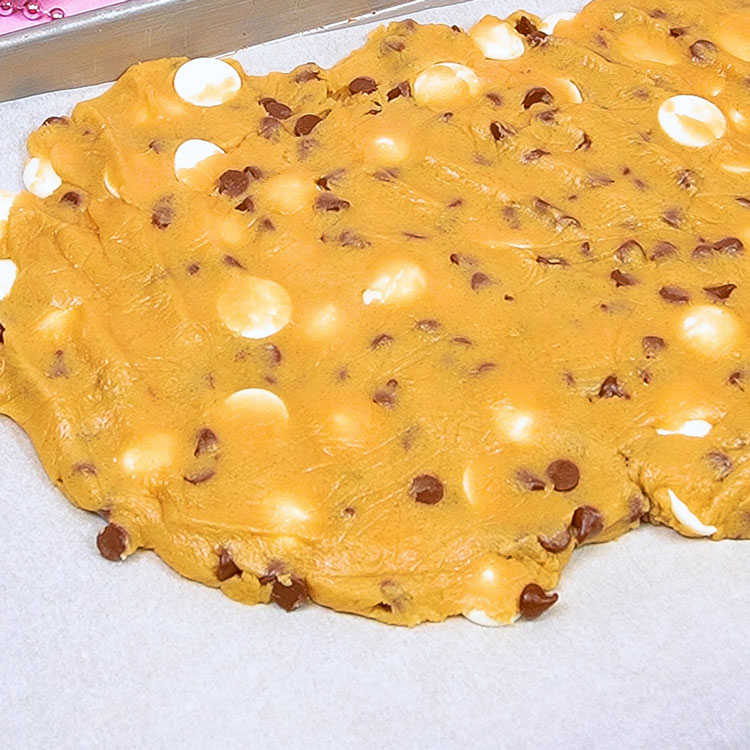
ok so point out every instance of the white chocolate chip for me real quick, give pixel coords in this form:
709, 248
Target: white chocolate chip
480, 617
618, 15
191, 153
8, 273
710, 330
54, 324
497, 39
691, 120
513, 424
111, 189
257, 405
687, 518
445, 84
396, 283
323, 322
691, 428
253, 307
733, 34
150, 454
287, 515
206, 82
388, 151
40, 178
550, 22
735, 168
6, 201
572, 91
289, 192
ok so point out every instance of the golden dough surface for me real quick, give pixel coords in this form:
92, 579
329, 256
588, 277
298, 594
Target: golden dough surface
400, 335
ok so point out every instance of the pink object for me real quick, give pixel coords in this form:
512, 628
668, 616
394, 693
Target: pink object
19, 14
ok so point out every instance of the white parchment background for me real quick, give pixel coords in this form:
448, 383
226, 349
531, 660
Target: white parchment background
648, 647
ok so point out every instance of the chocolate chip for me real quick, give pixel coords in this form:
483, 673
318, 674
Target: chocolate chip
349, 238
557, 543
232, 262
564, 475
427, 325
657, 13
483, 368
348, 512
530, 481
456, 202
163, 214
246, 205
500, 132
59, 368
586, 248
461, 259
585, 143
663, 250
156, 146
622, 279
686, 179
276, 109
721, 292
112, 541
363, 85
193, 268
673, 217
630, 251
72, 198
199, 476
56, 121
85, 468
548, 116
291, 594
652, 345
426, 489
612, 388
463, 340
703, 52
396, 44
676, 32
254, 173
537, 95
533, 155
386, 396
496, 99
729, 246
480, 280
307, 74
227, 568
720, 463
587, 522
403, 89
273, 353
744, 202
207, 442
553, 260
526, 28
382, 339
331, 202
737, 378
675, 294
535, 601
269, 128
233, 182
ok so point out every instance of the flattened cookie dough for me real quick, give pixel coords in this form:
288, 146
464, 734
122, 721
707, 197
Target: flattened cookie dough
398, 336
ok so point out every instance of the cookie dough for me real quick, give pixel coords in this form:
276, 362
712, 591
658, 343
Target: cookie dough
398, 336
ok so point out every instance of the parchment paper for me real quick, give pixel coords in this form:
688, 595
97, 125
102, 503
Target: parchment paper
648, 647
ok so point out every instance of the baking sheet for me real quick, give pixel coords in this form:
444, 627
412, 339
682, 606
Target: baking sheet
647, 648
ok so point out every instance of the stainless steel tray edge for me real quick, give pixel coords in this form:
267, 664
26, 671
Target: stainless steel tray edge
98, 46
